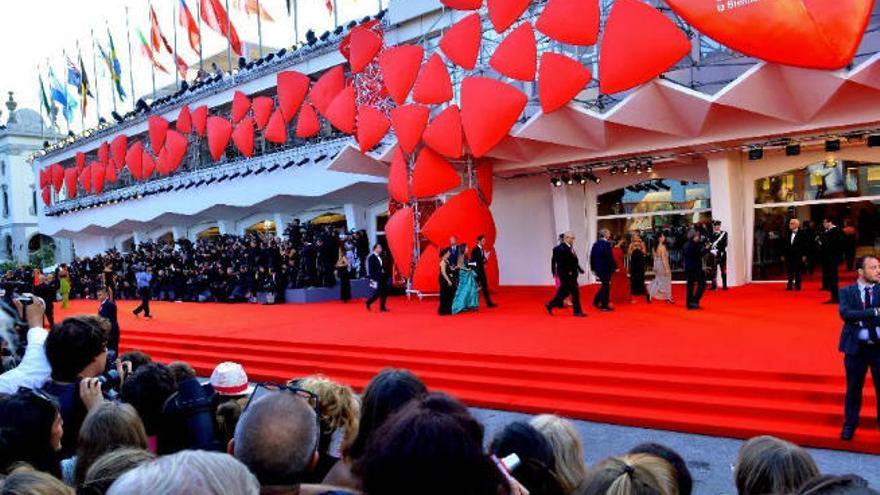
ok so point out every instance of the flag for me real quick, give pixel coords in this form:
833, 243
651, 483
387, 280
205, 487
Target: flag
216, 17
185, 19
182, 66
157, 39
112, 62
44, 100
74, 77
85, 88
329, 4
60, 94
148, 52
254, 7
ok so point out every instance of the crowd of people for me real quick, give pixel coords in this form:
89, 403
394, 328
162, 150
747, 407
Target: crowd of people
73, 420
255, 267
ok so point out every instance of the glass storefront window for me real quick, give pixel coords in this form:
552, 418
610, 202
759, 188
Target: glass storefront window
654, 196
830, 179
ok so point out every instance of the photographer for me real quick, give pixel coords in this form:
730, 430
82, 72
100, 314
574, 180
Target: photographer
77, 353
34, 369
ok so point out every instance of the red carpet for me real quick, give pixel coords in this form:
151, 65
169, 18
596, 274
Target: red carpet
756, 360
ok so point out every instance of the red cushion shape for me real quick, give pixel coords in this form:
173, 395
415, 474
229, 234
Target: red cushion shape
485, 181
463, 216
433, 175
400, 235
398, 178
176, 144
433, 84
409, 122
117, 150
364, 45
80, 161
817, 34
517, 56
307, 125
158, 126
461, 42
503, 13
104, 153
134, 160
575, 22
463, 4
47, 196
243, 136
110, 173
292, 89
372, 125
489, 108
200, 119
85, 178
162, 162
184, 122
263, 106
400, 66
219, 130
97, 173
343, 110
326, 88
426, 277
240, 106
560, 79
45, 177
71, 175
443, 134
149, 165
639, 44
276, 129
56, 173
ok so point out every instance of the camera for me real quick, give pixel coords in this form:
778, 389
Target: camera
110, 380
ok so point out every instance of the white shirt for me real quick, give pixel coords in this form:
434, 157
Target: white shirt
863, 333
34, 369
793, 233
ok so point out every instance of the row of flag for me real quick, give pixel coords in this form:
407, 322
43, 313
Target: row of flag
152, 47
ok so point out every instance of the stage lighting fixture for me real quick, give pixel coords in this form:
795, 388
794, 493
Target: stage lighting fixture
756, 153
793, 150
613, 170
324, 36
242, 62
282, 52
625, 168
351, 24
70, 133
568, 179
116, 116
638, 168
580, 179
381, 14
832, 145
555, 181
269, 57
649, 166
338, 30
873, 140
365, 19
302, 162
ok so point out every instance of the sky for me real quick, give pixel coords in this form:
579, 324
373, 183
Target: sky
38, 33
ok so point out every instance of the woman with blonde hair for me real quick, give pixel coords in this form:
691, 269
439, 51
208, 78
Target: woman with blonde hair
25, 481
770, 465
339, 417
567, 449
632, 474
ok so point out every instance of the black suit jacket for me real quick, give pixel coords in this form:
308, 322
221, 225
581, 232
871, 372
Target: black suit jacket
108, 310
478, 258
854, 314
797, 248
602, 259
831, 246
375, 268
564, 263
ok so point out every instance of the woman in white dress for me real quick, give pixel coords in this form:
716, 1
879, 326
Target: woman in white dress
661, 286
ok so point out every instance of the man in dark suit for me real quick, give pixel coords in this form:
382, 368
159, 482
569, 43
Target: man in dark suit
718, 249
46, 290
564, 265
796, 247
831, 246
454, 252
603, 265
378, 278
108, 310
860, 339
478, 260
693, 253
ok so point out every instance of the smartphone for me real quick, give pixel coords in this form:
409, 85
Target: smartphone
506, 465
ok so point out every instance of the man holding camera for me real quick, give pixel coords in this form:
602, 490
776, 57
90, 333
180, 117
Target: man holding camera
34, 369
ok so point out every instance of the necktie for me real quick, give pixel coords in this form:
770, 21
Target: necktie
869, 303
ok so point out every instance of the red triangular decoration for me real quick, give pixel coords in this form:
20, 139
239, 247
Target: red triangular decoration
463, 4
400, 66
56, 173
117, 150
398, 178
485, 181
134, 160
104, 153
426, 277
263, 106
219, 130
243, 136
276, 129
110, 173
47, 196
328, 86
575, 22
184, 122
176, 144
461, 42
433, 84
307, 125
399, 233
559, 80
517, 56
433, 175
80, 160
639, 44
503, 13
372, 125
489, 108
97, 173
158, 126
149, 165
200, 119
365, 44
292, 89
409, 122
443, 134
71, 175
342, 111
240, 106
85, 178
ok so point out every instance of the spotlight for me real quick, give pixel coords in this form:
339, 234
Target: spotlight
555, 181
568, 179
625, 168
638, 168
381, 14
649, 166
324, 36
756, 153
269, 57
793, 150
242, 62
282, 52
351, 24
832, 145
873, 140
70, 134
613, 170
580, 179
593, 178
338, 30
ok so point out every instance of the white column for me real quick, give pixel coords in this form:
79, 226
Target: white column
569, 215
227, 227
138, 237
281, 221
355, 216
178, 232
728, 206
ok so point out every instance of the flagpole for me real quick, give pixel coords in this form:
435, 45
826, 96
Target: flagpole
259, 27
66, 104
82, 111
42, 91
228, 39
95, 78
335, 15
109, 62
130, 59
176, 67
199, 20
295, 24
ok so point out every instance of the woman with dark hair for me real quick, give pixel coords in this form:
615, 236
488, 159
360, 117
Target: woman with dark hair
108, 279
147, 390
447, 285
661, 287
638, 260
683, 477
432, 446
386, 394
343, 273
537, 467
30, 432
107, 427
